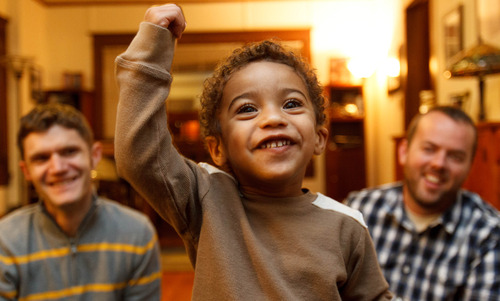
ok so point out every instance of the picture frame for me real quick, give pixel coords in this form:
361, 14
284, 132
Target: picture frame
489, 21
35, 81
339, 73
72, 80
453, 33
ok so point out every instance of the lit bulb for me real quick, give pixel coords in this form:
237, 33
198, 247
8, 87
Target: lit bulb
351, 109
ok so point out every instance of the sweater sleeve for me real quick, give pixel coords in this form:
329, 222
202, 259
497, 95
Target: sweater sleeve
144, 153
366, 281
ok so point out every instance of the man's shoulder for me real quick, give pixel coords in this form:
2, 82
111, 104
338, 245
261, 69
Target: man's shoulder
18, 223
475, 203
18, 215
122, 213
374, 193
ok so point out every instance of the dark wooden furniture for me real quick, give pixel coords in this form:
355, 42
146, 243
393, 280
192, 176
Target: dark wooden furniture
417, 56
4, 166
484, 176
345, 152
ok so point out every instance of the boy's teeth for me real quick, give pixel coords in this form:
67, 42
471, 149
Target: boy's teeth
274, 144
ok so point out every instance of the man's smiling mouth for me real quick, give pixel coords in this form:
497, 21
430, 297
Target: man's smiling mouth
62, 183
275, 144
432, 178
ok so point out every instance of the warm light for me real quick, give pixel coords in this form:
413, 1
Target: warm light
191, 130
392, 67
361, 67
351, 109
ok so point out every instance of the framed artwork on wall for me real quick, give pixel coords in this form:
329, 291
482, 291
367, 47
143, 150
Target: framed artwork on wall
489, 21
36, 84
453, 33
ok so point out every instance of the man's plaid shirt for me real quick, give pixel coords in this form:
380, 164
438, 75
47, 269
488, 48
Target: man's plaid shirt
455, 258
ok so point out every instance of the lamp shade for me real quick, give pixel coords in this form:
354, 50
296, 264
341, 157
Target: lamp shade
476, 61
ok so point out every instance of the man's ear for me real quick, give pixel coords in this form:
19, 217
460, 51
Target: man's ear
96, 153
25, 170
321, 140
402, 152
216, 150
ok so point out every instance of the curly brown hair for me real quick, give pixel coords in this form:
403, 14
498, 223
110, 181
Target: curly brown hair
267, 50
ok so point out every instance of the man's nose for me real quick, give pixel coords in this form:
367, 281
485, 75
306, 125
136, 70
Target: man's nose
57, 163
439, 159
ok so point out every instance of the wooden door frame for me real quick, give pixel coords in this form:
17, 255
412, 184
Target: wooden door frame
418, 75
4, 169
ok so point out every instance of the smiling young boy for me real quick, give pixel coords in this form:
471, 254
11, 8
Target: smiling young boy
251, 230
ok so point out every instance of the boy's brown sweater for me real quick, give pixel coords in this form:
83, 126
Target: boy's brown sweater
242, 247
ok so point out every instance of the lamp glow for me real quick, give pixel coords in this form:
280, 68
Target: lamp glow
361, 68
392, 67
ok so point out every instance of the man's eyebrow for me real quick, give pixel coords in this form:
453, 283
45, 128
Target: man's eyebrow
38, 155
49, 152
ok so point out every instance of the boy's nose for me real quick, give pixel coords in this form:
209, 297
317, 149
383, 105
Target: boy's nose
272, 117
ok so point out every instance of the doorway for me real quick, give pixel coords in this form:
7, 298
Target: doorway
418, 76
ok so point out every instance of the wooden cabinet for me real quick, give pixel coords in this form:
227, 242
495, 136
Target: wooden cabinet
345, 152
484, 176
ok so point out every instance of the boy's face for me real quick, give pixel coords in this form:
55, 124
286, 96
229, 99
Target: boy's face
58, 162
269, 131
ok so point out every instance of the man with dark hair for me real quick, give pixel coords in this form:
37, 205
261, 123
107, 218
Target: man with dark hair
435, 241
72, 244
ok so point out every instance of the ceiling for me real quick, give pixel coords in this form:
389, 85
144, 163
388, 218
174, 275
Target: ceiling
117, 2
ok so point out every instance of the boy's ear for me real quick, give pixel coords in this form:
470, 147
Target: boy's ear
216, 150
321, 139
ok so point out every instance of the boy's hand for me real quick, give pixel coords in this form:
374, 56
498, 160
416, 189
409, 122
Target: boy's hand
169, 16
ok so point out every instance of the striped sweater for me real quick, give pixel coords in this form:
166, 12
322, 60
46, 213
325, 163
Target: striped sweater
114, 256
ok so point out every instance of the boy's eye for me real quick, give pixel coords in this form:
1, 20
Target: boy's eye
246, 108
292, 103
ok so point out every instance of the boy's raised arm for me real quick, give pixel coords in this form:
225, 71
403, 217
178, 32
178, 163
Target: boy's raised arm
143, 145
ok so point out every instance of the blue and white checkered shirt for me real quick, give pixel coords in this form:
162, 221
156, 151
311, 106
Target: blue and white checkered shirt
455, 258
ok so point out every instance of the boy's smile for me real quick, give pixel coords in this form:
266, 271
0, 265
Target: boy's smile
269, 130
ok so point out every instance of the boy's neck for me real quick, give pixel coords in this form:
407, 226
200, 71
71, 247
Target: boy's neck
274, 192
